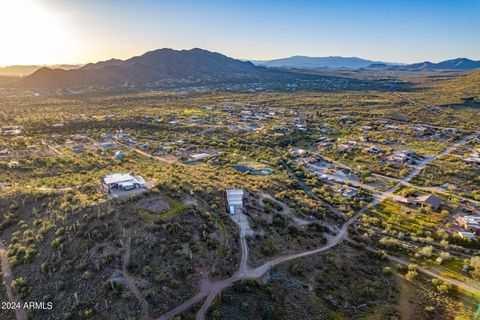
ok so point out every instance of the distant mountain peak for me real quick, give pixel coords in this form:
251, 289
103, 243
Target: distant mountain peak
458, 64
306, 62
25, 70
162, 65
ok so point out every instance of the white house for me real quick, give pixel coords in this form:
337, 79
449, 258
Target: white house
469, 235
123, 182
391, 127
367, 128
374, 150
349, 193
234, 200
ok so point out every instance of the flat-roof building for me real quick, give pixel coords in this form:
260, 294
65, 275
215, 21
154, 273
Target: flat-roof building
234, 200
470, 223
122, 181
469, 235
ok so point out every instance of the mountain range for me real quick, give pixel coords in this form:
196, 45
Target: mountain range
197, 66
459, 64
159, 67
304, 62
22, 70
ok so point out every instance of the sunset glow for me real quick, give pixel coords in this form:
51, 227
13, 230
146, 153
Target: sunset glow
83, 31
32, 33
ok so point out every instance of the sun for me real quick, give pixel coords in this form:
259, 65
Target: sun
32, 34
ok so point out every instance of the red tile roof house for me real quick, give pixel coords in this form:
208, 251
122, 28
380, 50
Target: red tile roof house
428, 200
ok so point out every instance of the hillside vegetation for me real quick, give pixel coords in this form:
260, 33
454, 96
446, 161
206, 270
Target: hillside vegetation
451, 91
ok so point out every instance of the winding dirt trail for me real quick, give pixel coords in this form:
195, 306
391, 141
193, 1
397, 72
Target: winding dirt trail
209, 289
7, 279
131, 281
241, 220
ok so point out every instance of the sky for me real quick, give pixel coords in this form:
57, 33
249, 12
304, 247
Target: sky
81, 31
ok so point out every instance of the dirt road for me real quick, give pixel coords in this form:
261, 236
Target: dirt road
130, 282
7, 279
209, 289
463, 285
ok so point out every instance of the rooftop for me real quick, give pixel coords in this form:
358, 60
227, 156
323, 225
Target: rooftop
467, 235
122, 178
235, 197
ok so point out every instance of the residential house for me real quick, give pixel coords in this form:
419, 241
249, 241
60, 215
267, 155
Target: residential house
349, 193
428, 200
301, 127
467, 235
5, 153
13, 164
162, 151
420, 129
347, 145
78, 149
391, 127
367, 128
234, 200
401, 157
474, 157
199, 156
108, 145
472, 160
253, 127
374, 150
297, 151
119, 155
10, 130
344, 172
106, 135
122, 181
470, 223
